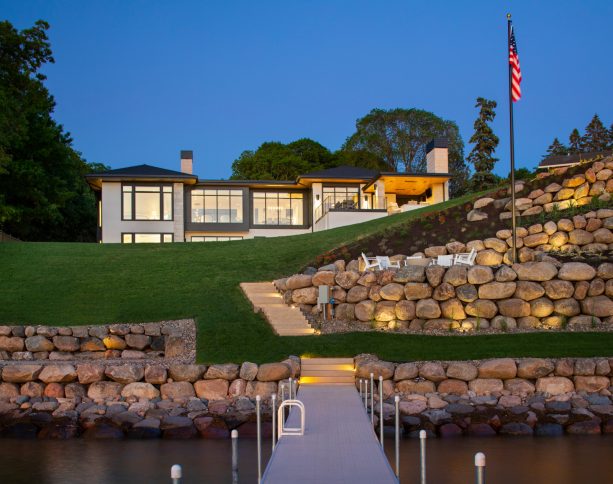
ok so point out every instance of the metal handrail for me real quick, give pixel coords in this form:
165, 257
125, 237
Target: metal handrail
329, 205
282, 429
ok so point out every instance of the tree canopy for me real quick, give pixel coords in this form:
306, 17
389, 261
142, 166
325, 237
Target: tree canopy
485, 141
597, 138
556, 148
43, 193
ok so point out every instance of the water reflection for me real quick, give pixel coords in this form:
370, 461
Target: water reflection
568, 460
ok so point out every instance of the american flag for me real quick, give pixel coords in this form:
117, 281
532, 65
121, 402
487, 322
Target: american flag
515, 69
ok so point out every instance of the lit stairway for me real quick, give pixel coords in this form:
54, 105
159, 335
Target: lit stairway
327, 371
285, 320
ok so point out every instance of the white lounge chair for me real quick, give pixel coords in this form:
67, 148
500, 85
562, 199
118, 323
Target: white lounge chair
370, 262
385, 262
467, 258
444, 260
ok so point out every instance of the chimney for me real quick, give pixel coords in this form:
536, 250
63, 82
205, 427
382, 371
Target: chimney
187, 161
437, 153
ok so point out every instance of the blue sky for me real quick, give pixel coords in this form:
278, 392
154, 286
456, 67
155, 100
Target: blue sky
137, 81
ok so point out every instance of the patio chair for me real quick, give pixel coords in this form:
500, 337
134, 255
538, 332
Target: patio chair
370, 262
467, 258
444, 260
386, 263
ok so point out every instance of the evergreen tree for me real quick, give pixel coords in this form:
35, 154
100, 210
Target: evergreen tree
596, 136
610, 147
574, 142
485, 141
555, 148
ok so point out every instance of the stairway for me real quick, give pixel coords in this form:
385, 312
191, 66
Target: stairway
327, 371
285, 320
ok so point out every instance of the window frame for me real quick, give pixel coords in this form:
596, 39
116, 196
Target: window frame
238, 195
306, 214
161, 193
345, 187
161, 234
231, 238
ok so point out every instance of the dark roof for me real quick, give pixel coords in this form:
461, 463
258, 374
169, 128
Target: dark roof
344, 171
557, 160
142, 171
437, 143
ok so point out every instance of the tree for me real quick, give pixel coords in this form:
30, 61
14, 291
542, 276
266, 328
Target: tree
596, 136
398, 138
43, 194
556, 148
485, 141
574, 142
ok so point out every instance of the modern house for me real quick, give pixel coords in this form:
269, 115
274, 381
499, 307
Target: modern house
562, 161
148, 204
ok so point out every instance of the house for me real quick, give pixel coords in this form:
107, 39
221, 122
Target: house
148, 204
561, 161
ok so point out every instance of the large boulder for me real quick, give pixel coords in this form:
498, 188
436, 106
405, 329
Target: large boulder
273, 372
488, 257
414, 291
499, 368
482, 308
39, 343
365, 310
466, 293
456, 275
576, 271
496, 244
180, 390
414, 273
140, 390
535, 271
58, 374
104, 390
599, 306
486, 386
377, 367
305, 295
345, 312
566, 307
182, 372
462, 370
212, 389
554, 385
541, 307
432, 371
11, 344
427, 309
443, 292
557, 289
497, 290
480, 274
385, 311
125, 373
591, 384
299, 281
20, 373
519, 386
357, 293
528, 290
392, 292
248, 371
453, 387
406, 371
411, 386
347, 279
323, 278
226, 371
453, 309
435, 274
533, 368
515, 308
405, 310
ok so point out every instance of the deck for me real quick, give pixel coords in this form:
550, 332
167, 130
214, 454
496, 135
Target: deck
339, 445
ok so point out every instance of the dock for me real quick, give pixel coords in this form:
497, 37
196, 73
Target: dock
339, 444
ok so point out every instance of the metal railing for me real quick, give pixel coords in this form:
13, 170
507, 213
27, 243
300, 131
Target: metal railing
332, 204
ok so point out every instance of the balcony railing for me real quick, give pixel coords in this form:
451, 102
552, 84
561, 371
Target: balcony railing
330, 204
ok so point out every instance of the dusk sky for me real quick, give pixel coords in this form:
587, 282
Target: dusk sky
137, 81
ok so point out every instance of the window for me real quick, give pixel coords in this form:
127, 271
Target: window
274, 208
216, 206
146, 238
147, 202
342, 197
214, 238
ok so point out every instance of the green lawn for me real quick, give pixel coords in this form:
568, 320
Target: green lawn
68, 284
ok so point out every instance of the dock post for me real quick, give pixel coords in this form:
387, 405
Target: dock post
381, 409
176, 473
397, 422
258, 400
480, 467
274, 420
366, 395
372, 400
290, 387
360, 380
422, 448
234, 436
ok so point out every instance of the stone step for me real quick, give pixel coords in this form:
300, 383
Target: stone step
330, 373
310, 380
341, 367
326, 361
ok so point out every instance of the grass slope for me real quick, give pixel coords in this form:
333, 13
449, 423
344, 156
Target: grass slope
68, 284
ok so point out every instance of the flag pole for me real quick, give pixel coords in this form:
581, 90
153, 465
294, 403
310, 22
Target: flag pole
513, 223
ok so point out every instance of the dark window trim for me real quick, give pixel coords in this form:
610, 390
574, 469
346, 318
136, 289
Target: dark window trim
161, 192
217, 196
306, 210
215, 227
234, 238
346, 185
161, 234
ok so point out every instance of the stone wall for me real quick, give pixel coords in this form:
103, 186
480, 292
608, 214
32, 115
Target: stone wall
544, 294
138, 399
506, 396
576, 190
173, 340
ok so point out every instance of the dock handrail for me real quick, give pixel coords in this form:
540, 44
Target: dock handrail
282, 429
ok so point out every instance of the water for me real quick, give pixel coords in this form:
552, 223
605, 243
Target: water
566, 460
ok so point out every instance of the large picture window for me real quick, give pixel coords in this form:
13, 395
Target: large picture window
215, 238
278, 208
216, 206
147, 202
342, 197
145, 238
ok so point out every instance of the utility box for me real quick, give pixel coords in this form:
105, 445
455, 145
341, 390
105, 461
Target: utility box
324, 295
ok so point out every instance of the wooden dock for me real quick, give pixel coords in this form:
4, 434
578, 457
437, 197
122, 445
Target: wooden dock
339, 445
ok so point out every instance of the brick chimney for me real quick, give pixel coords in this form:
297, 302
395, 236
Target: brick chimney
187, 161
437, 156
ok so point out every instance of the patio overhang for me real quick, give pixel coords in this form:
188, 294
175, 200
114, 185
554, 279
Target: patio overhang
407, 184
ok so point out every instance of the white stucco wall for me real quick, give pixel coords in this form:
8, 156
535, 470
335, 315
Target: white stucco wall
339, 219
113, 226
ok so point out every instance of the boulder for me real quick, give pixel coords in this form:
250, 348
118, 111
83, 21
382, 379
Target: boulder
603, 236
574, 181
273, 372
514, 307
58, 374
497, 290
367, 279
435, 251
155, 374
599, 306
180, 390
432, 371
377, 367
299, 281
125, 373
566, 307
90, 373
104, 390
359, 293
519, 386
182, 372
528, 290
365, 310
345, 312
140, 390
466, 293
576, 271
411, 386
414, 273
452, 309
347, 279
462, 370
453, 387
392, 292
212, 389
385, 311
495, 244
305, 295
66, 343
456, 275
38, 343
533, 368
443, 292
535, 271
480, 274
554, 385
226, 371
92, 344
486, 386
504, 323
11, 344
557, 289
406, 371
417, 290
20, 373
605, 270
482, 308
488, 257
591, 384
438, 324
323, 278
503, 368
482, 202
427, 309
405, 310
541, 307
